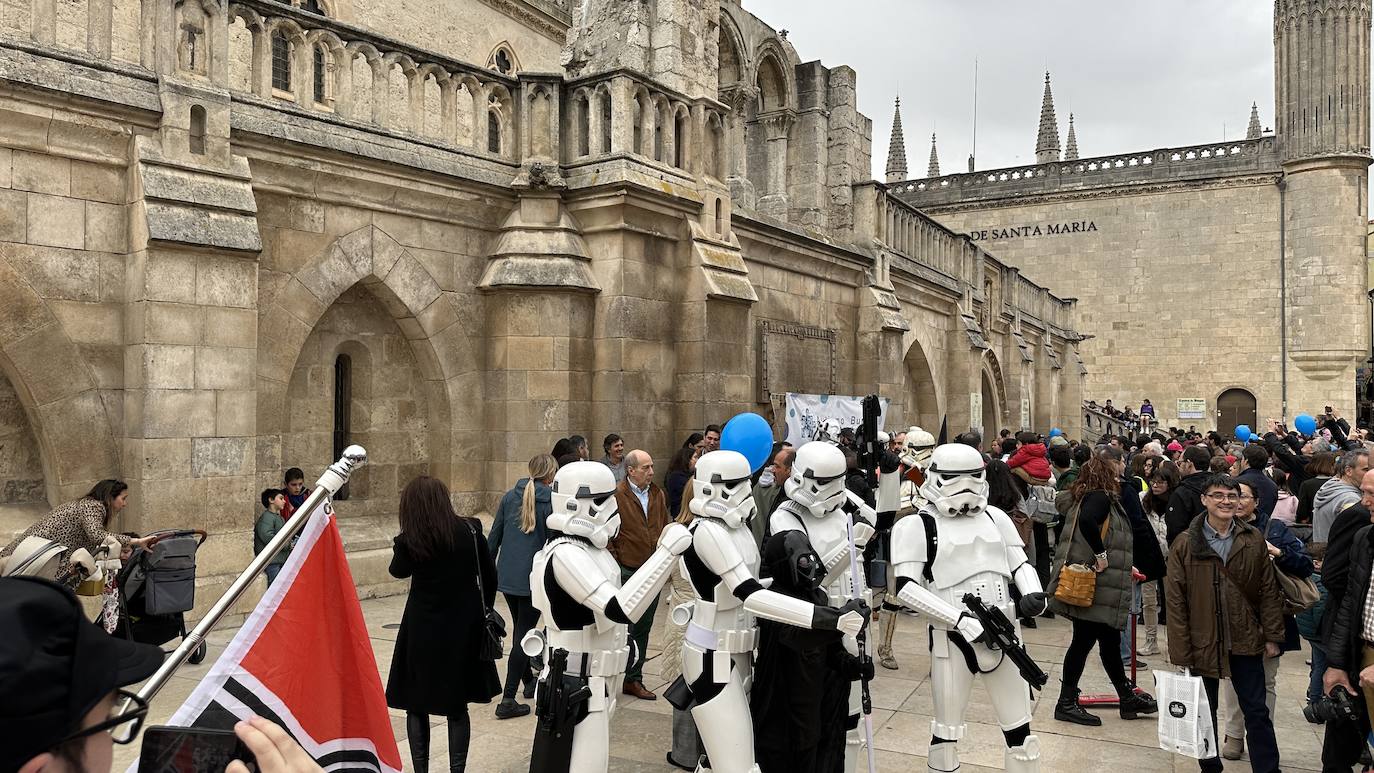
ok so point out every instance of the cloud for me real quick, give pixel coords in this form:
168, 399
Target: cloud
1138, 76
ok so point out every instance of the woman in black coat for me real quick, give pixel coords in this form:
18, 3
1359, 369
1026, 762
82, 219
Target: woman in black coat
437, 668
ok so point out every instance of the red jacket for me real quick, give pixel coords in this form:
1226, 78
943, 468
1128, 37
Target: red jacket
1032, 457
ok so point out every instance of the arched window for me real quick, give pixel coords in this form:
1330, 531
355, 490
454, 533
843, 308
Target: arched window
197, 130
605, 122
680, 141
720, 218
641, 115
343, 414
582, 111
503, 60
313, 6
493, 130
321, 66
281, 61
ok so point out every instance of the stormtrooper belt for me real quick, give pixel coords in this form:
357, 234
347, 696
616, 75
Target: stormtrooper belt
599, 663
739, 640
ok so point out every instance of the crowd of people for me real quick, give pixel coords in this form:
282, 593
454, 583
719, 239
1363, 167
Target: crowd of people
1240, 551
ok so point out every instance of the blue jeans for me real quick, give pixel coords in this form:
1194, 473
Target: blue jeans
1247, 676
1126, 636
1314, 684
271, 572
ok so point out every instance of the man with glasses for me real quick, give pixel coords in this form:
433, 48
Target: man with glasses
1226, 613
62, 696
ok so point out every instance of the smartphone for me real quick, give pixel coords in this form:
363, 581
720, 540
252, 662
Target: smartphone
190, 750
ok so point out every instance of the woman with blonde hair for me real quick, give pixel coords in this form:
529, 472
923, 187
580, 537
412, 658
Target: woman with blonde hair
517, 533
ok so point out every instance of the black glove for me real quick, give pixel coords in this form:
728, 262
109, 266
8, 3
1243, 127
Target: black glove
858, 605
854, 668
1033, 604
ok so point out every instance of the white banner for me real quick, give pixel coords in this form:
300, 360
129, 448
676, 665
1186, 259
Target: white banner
806, 412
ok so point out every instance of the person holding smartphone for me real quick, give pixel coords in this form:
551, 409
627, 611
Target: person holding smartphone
62, 681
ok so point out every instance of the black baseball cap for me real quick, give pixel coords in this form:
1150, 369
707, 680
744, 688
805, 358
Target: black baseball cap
55, 666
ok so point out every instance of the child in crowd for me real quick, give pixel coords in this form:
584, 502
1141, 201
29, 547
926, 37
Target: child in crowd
271, 521
1309, 625
295, 491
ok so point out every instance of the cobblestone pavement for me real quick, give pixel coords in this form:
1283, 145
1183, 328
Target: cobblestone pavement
901, 717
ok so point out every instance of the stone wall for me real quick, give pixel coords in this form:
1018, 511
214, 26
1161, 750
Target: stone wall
21, 463
1165, 281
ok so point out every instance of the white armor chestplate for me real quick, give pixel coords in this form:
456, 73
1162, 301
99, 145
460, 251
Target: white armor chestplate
724, 625
971, 557
602, 649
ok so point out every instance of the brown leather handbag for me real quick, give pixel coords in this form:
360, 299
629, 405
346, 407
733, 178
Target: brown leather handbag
1077, 583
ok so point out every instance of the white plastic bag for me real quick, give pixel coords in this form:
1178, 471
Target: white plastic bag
1185, 717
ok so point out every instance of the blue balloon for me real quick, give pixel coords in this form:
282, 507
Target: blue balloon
1305, 424
1056, 432
749, 434
1243, 432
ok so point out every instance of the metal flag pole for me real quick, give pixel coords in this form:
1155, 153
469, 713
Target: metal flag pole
333, 479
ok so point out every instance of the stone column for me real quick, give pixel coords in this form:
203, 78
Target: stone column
738, 98
776, 130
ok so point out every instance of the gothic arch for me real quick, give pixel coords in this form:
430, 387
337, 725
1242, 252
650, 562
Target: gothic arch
445, 355
775, 88
922, 403
57, 391
997, 387
731, 52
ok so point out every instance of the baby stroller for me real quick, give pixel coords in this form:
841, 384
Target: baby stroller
157, 586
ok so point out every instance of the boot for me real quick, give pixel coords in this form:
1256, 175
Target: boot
1024, 758
417, 737
889, 625
1133, 703
459, 736
1066, 709
943, 757
1151, 641
1232, 748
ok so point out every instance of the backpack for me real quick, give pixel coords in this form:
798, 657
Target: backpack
1041, 505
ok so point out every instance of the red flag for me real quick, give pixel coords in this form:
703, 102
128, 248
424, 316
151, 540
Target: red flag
303, 659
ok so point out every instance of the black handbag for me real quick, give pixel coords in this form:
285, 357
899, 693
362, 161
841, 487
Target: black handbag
494, 627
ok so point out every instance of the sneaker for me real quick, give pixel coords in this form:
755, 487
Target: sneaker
529, 689
886, 660
1233, 748
509, 709
1148, 649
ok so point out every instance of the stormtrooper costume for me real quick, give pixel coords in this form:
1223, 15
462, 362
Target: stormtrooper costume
817, 506
575, 583
717, 652
959, 544
900, 492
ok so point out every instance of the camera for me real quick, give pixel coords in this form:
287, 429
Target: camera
1338, 707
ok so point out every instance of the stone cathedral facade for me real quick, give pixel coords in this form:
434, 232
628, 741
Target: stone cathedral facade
236, 235
1231, 272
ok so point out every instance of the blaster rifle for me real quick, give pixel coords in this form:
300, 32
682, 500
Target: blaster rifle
561, 704
1000, 634
856, 592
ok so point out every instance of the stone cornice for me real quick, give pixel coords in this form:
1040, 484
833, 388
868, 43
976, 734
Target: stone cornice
542, 16
1104, 193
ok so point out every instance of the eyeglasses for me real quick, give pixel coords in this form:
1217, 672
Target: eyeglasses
125, 720
1223, 497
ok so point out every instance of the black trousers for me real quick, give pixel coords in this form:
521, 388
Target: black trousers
1040, 532
1085, 635
523, 617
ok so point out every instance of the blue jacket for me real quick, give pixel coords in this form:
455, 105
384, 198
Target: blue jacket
514, 549
1292, 559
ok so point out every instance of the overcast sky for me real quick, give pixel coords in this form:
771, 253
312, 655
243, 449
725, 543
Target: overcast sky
1137, 76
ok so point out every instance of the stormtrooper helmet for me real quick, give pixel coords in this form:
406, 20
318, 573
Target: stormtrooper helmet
584, 502
956, 480
916, 450
817, 480
722, 489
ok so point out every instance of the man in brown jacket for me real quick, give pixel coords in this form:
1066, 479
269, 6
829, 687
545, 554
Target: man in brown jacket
1226, 613
643, 511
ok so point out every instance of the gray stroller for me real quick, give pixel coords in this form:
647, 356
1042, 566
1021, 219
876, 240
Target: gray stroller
157, 586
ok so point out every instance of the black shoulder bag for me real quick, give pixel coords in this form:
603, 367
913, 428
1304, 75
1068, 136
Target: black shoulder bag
493, 628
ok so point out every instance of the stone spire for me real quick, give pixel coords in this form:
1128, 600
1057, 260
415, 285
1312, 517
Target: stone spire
1071, 145
896, 147
933, 169
1047, 141
1254, 131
